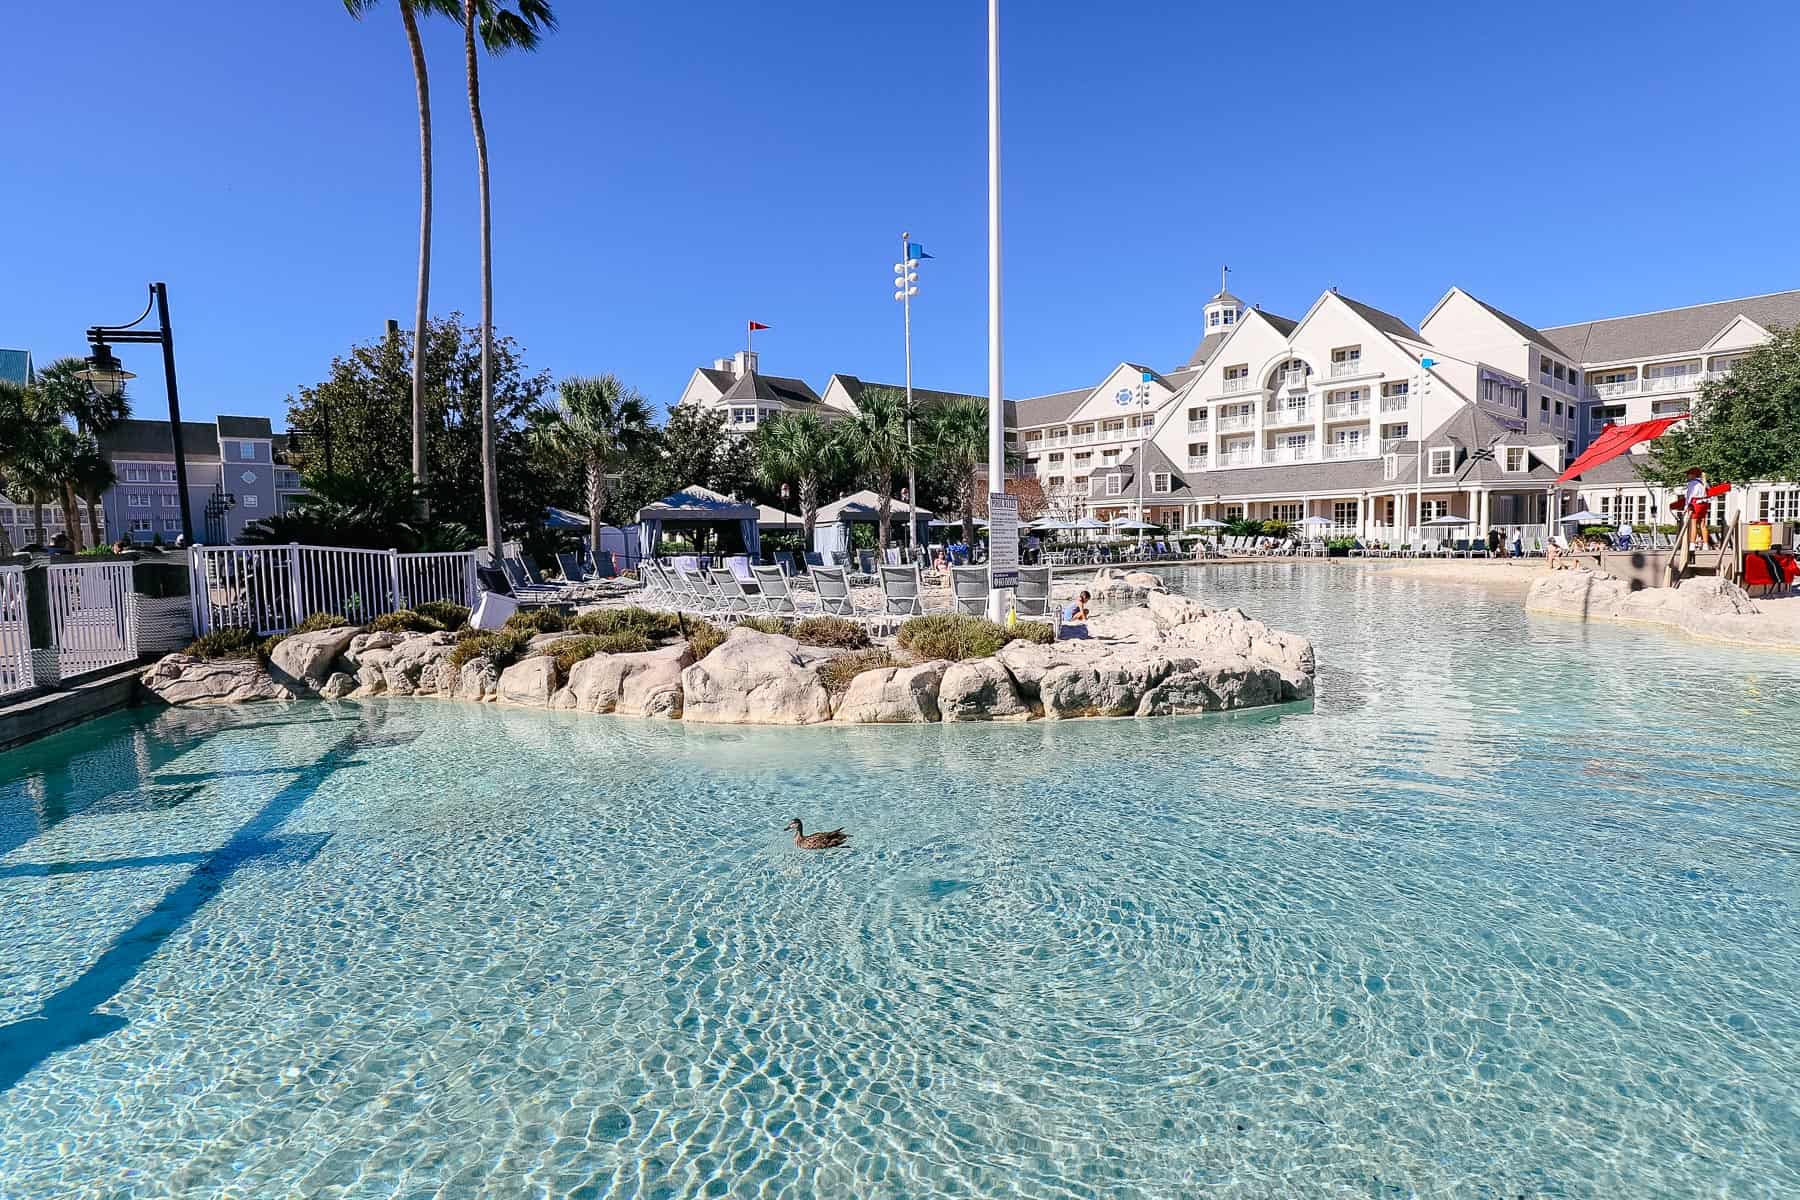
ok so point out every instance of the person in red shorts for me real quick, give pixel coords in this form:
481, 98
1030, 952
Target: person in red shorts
1698, 508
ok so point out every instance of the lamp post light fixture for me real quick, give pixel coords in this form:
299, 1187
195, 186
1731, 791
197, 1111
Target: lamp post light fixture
906, 286
107, 376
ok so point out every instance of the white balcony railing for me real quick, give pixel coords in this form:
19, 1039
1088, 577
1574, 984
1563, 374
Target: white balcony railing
1289, 454
1291, 379
1606, 391
1240, 384
1343, 410
1197, 462
1237, 421
1394, 404
1289, 414
1347, 368
1675, 383
1359, 448
1237, 458
1197, 427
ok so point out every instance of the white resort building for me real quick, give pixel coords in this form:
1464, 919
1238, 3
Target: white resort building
1351, 415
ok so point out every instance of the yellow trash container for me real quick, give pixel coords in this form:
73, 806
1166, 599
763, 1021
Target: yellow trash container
1757, 535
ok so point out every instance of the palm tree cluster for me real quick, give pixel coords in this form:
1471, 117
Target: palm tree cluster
50, 448
498, 26
948, 439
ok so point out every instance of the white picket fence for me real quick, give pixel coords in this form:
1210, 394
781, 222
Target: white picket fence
271, 589
90, 616
16, 674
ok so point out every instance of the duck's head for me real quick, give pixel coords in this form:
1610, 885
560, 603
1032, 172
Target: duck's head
792, 826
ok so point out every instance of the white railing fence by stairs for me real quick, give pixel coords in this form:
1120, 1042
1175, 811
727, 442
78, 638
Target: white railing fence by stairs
16, 674
271, 589
90, 616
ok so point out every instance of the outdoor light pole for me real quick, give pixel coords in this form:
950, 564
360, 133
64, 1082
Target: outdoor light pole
996, 406
906, 286
107, 376
1143, 456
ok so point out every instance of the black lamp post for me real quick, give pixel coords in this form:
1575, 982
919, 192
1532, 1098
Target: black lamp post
106, 376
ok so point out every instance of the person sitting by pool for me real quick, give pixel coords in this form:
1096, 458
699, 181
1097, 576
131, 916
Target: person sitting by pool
1075, 618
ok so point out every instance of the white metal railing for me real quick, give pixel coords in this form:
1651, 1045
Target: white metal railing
1391, 404
1342, 409
1674, 383
1196, 462
1197, 426
1239, 384
90, 616
1346, 368
1237, 458
1356, 449
273, 588
1293, 414
1606, 391
1291, 379
15, 637
1288, 454
1238, 421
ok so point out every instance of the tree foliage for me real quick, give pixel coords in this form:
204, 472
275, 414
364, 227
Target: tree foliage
599, 423
1745, 426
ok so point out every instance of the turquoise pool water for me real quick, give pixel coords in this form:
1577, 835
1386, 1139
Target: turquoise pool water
1512, 911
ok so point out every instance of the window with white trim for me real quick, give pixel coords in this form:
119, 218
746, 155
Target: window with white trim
137, 474
1115, 485
1390, 467
1433, 509
1515, 459
1285, 512
1343, 513
171, 525
1780, 504
171, 500
247, 451
140, 524
1395, 430
1442, 462
1159, 483
165, 474
1347, 354
1234, 512
249, 500
137, 500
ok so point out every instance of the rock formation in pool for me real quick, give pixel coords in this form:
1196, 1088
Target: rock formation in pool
1165, 656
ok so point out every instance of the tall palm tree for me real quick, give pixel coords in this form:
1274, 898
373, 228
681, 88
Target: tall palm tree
598, 424
503, 27
63, 393
409, 20
876, 441
20, 432
92, 475
798, 448
956, 443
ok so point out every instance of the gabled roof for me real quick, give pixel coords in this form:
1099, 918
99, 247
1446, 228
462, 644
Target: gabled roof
863, 506
1157, 463
1387, 322
853, 387
245, 427
1209, 345
1533, 335
15, 366
1671, 331
773, 388
1470, 429
199, 439
1044, 410
696, 503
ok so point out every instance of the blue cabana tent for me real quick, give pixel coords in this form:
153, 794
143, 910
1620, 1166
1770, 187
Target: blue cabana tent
696, 505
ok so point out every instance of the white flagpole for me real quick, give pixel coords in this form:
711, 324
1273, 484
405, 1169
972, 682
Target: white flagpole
996, 405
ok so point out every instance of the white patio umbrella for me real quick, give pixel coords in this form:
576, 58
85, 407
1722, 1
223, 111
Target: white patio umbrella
1127, 523
1446, 522
1089, 523
1316, 522
1581, 517
1049, 525
1208, 523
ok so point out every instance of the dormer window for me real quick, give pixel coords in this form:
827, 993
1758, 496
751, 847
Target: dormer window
1390, 466
1442, 462
1515, 459
1159, 483
1115, 485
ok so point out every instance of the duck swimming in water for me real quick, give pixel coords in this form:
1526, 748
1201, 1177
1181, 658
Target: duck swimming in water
829, 839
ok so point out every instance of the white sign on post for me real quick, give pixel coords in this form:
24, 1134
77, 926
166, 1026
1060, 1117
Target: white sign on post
1003, 540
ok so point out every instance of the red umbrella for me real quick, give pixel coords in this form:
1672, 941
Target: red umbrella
1616, 440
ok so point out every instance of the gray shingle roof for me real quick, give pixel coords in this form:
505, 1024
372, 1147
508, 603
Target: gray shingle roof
1671, 331
1204, 351
245, 427
854, 386
199, 439
1157, 463
1044, 410
1387, 322
775, 388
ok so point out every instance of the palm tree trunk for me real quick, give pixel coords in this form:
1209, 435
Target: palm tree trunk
419, 467
809, 510
884, 511
37, 519
71, 520
490, 484
596, 500
967, 500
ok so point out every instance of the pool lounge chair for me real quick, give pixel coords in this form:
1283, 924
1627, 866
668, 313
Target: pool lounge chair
969, 590
733, 599
902, 593
835, 599
1032, 597
777, 597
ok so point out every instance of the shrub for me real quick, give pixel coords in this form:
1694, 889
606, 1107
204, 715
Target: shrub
321, 621
537, 620
570, 651
832, 631
234, 641
763, 624
405, 621
446, 613
838, 672
626, 641
704, 637
1032, 631
953, 636
655, 626
503, 648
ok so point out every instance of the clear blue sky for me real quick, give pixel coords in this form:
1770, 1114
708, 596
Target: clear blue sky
662, 172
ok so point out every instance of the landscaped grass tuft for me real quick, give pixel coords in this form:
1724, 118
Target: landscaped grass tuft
1032, 631
234, 641
656, 626
838, 632
763, 624
446, 613
503, 647
405, 621
838, 672
538, 620
953, 636
320, 621
704, 637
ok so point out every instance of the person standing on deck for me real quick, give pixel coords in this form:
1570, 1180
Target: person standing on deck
1698, 509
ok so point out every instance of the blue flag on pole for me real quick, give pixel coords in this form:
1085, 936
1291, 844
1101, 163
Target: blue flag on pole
914, 250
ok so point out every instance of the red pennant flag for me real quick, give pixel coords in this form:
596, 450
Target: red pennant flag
755, 325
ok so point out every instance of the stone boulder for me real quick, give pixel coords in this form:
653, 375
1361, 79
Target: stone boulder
632, 685
369, 681
183, 679
980, 689
1706, 606
308, 658
1113, 583
477, 680
419, 663
338, 686
754, 679
370, 649
530, 681
893, 696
